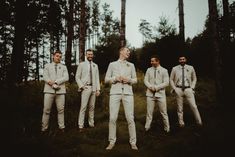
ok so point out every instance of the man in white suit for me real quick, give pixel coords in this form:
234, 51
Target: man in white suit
87, 78
121, 74
55, 75
183, 81
156, 79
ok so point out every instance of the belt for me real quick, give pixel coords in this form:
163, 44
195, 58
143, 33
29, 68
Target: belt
182, 86
89, 84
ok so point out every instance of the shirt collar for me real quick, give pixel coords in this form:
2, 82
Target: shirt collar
55, 63
88, 62
157, 68
122, 61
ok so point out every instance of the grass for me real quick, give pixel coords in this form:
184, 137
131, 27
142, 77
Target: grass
25, 138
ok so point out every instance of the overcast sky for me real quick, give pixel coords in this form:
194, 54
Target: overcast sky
195, 12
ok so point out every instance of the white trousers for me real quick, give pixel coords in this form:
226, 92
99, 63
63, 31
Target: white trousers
48, 101
88, 98
188, 94
161, 102
114, 105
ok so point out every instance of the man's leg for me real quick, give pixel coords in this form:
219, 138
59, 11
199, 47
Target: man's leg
192, 103
149, 115
163, 111
60, 101
91, 109
180, 100
128, 103
48, 101
114, 105
85, 96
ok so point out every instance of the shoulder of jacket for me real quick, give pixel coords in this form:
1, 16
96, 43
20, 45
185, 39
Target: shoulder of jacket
132, 64
163, 69
175, 67
47, 65
83, 62
62, 64
95, 64
112, 63
148, 70
189, 66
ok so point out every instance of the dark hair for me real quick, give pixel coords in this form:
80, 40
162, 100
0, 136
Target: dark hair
57, 51
182, 55
89, 50
156, 57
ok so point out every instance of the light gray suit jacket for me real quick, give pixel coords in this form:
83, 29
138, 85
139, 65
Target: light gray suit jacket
159, 83
176, 75
114, 71
82, 75
61, 77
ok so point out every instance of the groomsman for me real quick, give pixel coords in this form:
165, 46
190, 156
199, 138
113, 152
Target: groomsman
183, 81
156, 79
121, 74
55, 75
87, 78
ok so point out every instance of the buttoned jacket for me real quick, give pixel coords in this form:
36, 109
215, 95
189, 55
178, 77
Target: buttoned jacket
116, 70
176, 76
158, 80
82, 75
60, 77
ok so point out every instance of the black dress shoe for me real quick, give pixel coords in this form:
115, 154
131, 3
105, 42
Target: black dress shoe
62, 130
44, 132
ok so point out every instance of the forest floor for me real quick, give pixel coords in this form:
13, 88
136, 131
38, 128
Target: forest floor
22, 135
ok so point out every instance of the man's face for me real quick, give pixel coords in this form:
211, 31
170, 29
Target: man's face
182, 60
125, 53
57, 57
155, 62
89, 55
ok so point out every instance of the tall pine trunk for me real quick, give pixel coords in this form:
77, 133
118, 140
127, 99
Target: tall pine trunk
213, 29
37, 77
181, 21
15, 73
68, 54
123, 24
82, 31
227, 80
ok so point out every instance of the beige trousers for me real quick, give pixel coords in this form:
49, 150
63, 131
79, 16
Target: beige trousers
188, 94
161, 102
114, 105
48, 101
88, 98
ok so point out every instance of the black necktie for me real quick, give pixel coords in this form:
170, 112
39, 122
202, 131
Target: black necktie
183, 83
155, 72
56, 69
90, 73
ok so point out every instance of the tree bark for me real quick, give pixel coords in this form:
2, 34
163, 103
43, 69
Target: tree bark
123, 24
68, 54
227, 81
181, 21
37, 77
15, 73
82, 31
213, 29
226, 20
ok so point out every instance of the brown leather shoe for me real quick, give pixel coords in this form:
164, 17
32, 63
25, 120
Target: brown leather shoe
61, 130
81, 129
